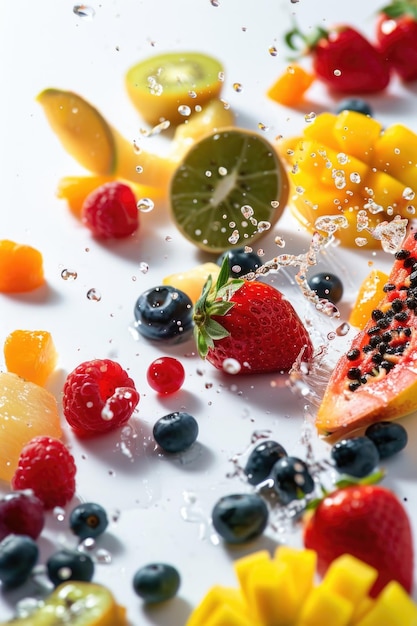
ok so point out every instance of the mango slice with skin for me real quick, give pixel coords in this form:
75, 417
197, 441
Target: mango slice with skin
347, 165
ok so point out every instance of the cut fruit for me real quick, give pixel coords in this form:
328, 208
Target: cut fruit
371, 292
30, 354
290, 87
376, 379
21, 267
168, 86
89, 138
192, 281
26, 411
76, 603
229, 189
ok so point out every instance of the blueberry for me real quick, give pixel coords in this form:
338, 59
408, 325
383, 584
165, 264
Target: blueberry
156, 582
357, 456
241, 262
262, 459
69, 564
88, 520
164, 313
354, 104
292, 479
176, 432
326, 285
240, 517
18, 556
389, 438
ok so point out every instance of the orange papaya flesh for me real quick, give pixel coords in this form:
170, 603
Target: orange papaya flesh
376, 379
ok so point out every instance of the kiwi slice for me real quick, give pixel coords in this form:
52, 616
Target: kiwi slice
229, 189
77, 604
169, 86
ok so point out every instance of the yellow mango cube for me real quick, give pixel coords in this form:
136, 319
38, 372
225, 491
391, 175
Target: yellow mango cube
246, 564
383, 190
321, 129
302, 568
30, 354
350, 578
393, 607
361, 609
324, 606
219, 600
226, 615
356, 134
395, 152
272, 594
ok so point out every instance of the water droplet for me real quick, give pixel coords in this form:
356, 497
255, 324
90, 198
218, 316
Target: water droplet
273, 51
360, 242
263, 226
231, 366
342, 158
208, 173
94, 295
247, 211
103, 556
337, 73
145, 205
222, 171
279, 241
355, 177
214, 3
310, 117
139, 169
238, 87
262, 126
143, 267
408, 194
184, 110
68, 274
84, 11
342, 330
234, 237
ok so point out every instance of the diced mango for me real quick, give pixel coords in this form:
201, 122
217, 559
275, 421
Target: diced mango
361, 609
382, 190
217, 598
245, 565
350, 578
226, 615
192, 281
356, 134
302, 568
321, 129
324, 606
31, 354
272, 594
395, 152
21, 267
370, 293
291, 85
393, 607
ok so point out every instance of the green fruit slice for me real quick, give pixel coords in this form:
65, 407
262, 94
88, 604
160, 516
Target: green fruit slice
160, 86
229, 189
76, 604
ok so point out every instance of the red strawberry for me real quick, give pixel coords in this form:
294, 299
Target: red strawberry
111, 211
369, 522
396, 34
251, 323
47, 468
344, 59
98, 397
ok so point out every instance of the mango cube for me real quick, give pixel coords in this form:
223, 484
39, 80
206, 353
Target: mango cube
272, 594
302, 568
219, 600
324, 606
30, 354
246, 564
356, 134
350, 578
393, 607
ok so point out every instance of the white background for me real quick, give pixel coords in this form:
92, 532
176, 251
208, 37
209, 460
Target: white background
47, 45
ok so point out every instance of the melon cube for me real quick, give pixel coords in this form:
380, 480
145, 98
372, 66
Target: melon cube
350, 578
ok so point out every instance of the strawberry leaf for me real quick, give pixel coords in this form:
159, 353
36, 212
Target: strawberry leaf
215, 330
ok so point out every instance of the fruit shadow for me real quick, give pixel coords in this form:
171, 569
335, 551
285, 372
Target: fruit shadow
40, 296
163, 612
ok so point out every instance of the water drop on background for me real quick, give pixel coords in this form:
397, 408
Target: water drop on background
145, 205
68, 274
84, 11
94, 295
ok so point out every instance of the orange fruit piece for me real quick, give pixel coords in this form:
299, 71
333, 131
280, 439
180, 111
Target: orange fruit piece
21, 267
290, 87
192, 281
26, 411
369, 296
31, 354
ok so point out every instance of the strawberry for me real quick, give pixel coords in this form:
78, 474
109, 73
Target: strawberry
396, 35
249, 322
111, 211
344, 59
99, 396
368, 522
47, 467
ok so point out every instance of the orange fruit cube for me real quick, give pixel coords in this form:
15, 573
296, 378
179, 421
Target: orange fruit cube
21, 267
290, 87
31, 354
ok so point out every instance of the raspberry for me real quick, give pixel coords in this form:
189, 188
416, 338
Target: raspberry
98, 397
110, 211
47, 468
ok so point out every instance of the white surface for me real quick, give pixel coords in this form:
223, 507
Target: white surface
47, 45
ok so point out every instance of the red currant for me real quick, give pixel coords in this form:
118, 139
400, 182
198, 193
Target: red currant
165, 375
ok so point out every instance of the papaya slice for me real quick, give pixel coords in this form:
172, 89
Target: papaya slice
376, 379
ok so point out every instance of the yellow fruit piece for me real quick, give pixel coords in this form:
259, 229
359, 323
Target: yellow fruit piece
78, 604
350, 578
26, 411
246, 564
356, 134
385, 191
362, 609
30, 354
162, 86
322, 130
272, 594
192, 281
393, 607
290, 87
21, 267
323, 606
227, 602
395, 153
302, 568
371, 292
87, 136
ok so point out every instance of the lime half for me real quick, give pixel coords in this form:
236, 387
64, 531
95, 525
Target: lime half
230, 188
